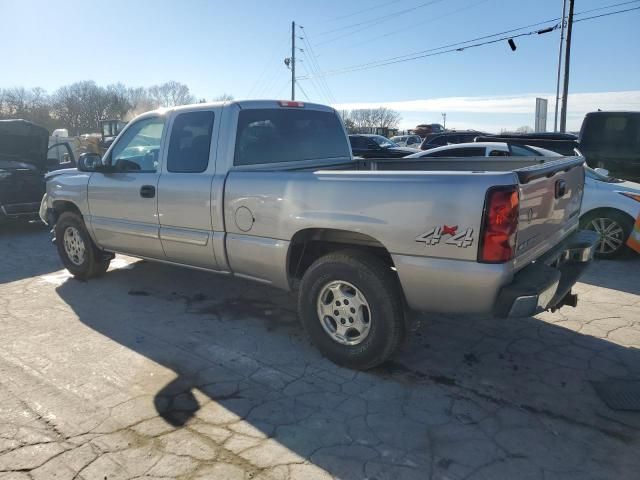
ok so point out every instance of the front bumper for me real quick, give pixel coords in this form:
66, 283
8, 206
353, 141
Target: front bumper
546, 284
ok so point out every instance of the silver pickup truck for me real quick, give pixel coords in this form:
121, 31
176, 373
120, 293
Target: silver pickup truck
269, 191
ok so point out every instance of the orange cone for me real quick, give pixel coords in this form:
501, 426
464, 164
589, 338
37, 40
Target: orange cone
634, 238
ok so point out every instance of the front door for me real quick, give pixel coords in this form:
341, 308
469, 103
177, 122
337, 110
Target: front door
184, 190
123, 205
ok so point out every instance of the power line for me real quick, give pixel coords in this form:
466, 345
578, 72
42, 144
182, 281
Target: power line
270, 63
371, 22
606, 14
460, 46
302, 90
311, 55
414, 25
606, 7
368, 9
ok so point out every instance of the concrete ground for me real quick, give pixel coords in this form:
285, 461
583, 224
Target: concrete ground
159, 372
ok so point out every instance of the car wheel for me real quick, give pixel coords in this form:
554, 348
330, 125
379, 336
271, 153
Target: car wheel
614, 228
80, 256
350, 305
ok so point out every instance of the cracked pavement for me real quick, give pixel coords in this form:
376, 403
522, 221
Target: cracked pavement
154, 371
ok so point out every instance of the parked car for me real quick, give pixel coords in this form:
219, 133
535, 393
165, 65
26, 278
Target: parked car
447, 138
269, 191
611, 140
562, 143
377, 146
428, 128
412, 141
609, 206
24, 159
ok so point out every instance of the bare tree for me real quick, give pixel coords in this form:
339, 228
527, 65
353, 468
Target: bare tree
370, 118
223, 98
171, 94
524, 129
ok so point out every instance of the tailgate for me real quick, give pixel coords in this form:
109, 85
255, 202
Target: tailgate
550, 199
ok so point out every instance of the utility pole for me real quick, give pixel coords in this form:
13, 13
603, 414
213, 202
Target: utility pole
293, 61
444, 120
567, 58
564, 12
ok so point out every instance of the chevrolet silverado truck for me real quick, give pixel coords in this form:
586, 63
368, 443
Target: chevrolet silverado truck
269, 191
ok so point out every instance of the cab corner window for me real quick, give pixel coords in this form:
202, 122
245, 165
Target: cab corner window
190, 142
138, 149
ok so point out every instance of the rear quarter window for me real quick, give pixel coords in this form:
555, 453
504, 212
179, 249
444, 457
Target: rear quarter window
286, 135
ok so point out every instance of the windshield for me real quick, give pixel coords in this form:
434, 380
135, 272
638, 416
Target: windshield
383, 142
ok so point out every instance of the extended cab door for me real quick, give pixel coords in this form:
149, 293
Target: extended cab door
123, 203
184, 190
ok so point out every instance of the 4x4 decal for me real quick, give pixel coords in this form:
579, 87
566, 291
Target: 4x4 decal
436, 235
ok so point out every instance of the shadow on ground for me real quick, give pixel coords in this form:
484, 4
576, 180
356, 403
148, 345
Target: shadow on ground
240, 344
41, 258
621, 274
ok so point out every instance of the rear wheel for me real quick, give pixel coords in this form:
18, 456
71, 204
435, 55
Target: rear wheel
614, 228
351, 307
77, 251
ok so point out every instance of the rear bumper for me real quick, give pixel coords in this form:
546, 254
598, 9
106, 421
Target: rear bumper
546, 284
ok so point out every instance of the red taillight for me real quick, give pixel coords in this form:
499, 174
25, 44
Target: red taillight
499, 225
291, 104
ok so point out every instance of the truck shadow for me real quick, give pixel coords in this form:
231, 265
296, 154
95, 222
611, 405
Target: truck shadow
620, 274
240, 345
25, 251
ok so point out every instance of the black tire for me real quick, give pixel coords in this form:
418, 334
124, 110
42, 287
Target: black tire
94, 263
621, 218
380, 287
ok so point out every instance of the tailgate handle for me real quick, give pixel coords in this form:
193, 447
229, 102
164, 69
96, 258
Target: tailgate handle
561, 188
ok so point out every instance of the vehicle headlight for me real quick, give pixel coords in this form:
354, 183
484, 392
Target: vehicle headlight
633, 196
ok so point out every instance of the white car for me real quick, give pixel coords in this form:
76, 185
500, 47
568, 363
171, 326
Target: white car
610, 206
413, 141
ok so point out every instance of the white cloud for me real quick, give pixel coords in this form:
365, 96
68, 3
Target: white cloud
498, 111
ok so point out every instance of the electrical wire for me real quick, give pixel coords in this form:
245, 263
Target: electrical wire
313, 59
460, 46
373, 7
606, 7
414, 25
369, 23
302, 90
270, 62
606, 14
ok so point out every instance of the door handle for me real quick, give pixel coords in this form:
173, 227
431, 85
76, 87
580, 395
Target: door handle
147, 191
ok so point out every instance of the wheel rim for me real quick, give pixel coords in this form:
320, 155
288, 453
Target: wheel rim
344, 313
611, 234
74, 245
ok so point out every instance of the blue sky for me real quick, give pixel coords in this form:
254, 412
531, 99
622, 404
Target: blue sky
238, 48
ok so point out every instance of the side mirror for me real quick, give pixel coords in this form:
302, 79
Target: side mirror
88, 162
602, 171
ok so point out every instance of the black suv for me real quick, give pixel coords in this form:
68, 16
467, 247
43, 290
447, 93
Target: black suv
611, 140
434, 140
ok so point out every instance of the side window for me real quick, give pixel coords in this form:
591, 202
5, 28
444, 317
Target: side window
471, 152
138, 149
357, 142
440, 141
449, 152
190, 142
498, 153
518, 151
59, 155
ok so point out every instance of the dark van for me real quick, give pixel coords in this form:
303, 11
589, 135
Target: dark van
25, 157
611, 140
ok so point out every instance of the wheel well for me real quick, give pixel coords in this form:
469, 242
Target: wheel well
604, 210
310, 244
60, 206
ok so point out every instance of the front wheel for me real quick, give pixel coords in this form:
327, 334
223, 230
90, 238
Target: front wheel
350, 305
77, 251
614, 228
